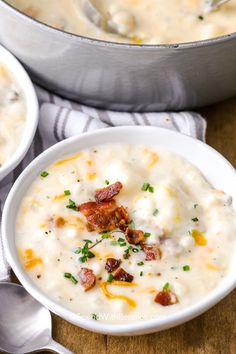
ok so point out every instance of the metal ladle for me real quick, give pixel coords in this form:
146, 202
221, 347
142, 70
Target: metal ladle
25, 324
101, 21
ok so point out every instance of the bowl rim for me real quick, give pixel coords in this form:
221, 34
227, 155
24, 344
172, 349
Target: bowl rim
21, 77
147, 326
111, 44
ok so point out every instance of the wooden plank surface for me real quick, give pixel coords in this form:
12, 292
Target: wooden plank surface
213, 332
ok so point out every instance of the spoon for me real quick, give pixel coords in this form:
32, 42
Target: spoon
96, 17
101, 21
212, 5
25, 324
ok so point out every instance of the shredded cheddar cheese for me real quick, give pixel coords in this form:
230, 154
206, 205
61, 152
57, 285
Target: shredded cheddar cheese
200, 240
109, 295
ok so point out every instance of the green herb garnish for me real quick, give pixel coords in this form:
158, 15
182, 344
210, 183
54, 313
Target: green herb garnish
67, 192
166, 287
186, 268
200, 17
195, 205
147, 187
71, 277
141, 274
147, 234
140, 263
155, 212
86, 252
72, 205
107, 182
110, 278
44, 174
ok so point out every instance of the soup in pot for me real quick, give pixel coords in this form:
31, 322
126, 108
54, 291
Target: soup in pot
136, 21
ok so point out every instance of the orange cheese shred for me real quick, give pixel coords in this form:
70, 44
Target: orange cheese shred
69, 159
200, 240
109, 295
30, 260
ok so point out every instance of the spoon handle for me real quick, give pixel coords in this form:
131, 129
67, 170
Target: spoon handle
57, 348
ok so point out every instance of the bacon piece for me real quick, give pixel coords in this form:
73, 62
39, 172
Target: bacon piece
134, 236
122, 275
107, 193
166, 298
87, 278
104, 216
112, 264
152, 252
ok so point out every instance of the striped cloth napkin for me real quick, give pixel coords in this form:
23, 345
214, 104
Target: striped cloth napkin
60, 119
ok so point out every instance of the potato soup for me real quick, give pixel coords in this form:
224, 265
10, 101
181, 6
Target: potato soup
136, 21
123, 233
12, 114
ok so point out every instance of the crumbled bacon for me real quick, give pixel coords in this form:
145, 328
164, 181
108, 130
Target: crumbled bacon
151, 251
87, 278
134, 236
122, 275
104, 216
112, 264
107, 193
166, 298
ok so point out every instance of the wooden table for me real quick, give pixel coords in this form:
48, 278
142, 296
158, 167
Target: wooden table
211, 333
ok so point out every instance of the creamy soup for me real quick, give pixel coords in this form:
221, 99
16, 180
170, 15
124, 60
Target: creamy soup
122, 233
137, 21
12, 114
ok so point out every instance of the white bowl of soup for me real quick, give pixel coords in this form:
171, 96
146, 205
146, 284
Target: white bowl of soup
18, 112
126, 230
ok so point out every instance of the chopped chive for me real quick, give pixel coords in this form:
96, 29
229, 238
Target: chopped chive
72, 205
145, 186
120, 239
166, 287
141, 274
67, 192
71, 277
195, 219
195, 206
107, 182
200, 17
110, 278
44, 174
147, 234
126, 256
94, 316
151, 189
74, 280
140, 263
67, 275
186, 268
155, 212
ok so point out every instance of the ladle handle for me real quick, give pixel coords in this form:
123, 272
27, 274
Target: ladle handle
55, 347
